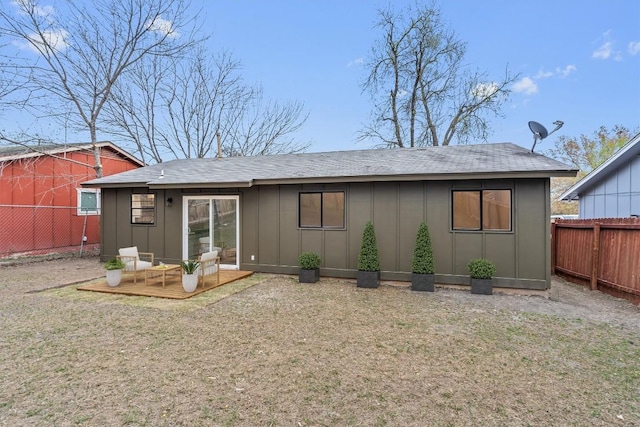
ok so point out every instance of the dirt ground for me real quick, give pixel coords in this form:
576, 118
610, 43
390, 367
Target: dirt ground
564, 299
282, 353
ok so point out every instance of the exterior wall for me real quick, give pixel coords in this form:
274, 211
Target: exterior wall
38, 201
164, 238
616, 196
396, 210
269, 230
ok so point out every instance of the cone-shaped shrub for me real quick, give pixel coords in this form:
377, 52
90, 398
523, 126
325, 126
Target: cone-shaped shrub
368, 259
423, 252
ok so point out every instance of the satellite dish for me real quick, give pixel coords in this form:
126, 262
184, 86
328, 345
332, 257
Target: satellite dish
540, 132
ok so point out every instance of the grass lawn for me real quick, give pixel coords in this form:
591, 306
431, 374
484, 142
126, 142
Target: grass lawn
273, 352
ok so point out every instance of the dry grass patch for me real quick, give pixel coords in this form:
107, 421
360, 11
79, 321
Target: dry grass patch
324, 354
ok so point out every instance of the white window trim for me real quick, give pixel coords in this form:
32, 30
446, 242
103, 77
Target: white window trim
79, 192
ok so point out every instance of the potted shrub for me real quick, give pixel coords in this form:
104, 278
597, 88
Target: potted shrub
309, 267
114, 269
368, 275
422, 265
481, 271
190, 275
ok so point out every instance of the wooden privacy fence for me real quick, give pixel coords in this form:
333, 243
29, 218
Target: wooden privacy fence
601, 253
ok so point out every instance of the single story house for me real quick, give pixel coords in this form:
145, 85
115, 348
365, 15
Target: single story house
43, 207
490, 200
612, 190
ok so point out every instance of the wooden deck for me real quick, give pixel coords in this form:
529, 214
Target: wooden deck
173, 286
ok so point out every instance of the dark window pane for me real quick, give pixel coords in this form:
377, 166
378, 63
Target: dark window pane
496, 210
333, 209
310, 210
466, 210
143, 208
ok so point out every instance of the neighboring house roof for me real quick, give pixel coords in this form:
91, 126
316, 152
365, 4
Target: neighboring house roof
16, 152
619, 158
503, 160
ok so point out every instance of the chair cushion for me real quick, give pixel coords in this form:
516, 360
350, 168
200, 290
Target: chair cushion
209, 267
207, 256
129, 265
131, 251
143, 265
138, 265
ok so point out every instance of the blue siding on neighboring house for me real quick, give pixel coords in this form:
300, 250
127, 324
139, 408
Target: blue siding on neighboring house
615, 196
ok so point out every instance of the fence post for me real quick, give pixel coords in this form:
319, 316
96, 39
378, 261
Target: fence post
595, 257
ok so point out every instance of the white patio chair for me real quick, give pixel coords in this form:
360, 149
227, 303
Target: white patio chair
132, 262
209, 265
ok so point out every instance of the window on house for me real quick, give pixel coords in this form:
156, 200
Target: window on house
143, 208
482, 210
88, 201
322, 210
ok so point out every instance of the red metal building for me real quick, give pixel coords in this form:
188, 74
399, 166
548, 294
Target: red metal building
43, 207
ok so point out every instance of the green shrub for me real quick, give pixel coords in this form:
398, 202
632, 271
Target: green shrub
190, 266
481, 268
368, 259
114, 264
423, 252
309, 260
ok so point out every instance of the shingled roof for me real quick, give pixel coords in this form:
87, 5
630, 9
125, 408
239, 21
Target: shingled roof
16, 152
504, 160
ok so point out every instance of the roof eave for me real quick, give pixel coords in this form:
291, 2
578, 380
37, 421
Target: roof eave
158, 185
622, 155
211, 185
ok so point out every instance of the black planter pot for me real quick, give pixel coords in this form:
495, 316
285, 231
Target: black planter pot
423, 282
309, 276
368, 279
482, 286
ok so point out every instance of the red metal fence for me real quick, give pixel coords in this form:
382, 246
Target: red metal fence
39, 230
601, 253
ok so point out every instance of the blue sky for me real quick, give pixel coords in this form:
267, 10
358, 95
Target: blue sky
579, 60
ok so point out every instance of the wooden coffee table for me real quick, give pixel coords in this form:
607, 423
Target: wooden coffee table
160, 271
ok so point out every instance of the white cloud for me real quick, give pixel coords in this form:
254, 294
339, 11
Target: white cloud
355, 62
564, 72
57, 40
604, 51
543, 74
526, 85
634, 48
485, 90
163, 26
29, 5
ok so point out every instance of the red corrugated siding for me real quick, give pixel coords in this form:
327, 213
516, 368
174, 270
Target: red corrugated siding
48, 181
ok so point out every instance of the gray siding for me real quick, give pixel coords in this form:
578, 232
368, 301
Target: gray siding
269, 229
616, 196
396, 209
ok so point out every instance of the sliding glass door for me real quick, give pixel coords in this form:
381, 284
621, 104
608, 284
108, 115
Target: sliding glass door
211, 223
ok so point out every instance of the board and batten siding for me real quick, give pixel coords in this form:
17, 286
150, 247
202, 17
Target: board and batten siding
271, 235
269, 229
616, 196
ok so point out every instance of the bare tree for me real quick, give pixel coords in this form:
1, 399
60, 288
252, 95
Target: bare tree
82, 50
176, 108
422, 92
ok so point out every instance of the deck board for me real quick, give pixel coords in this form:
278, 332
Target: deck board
173, 286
